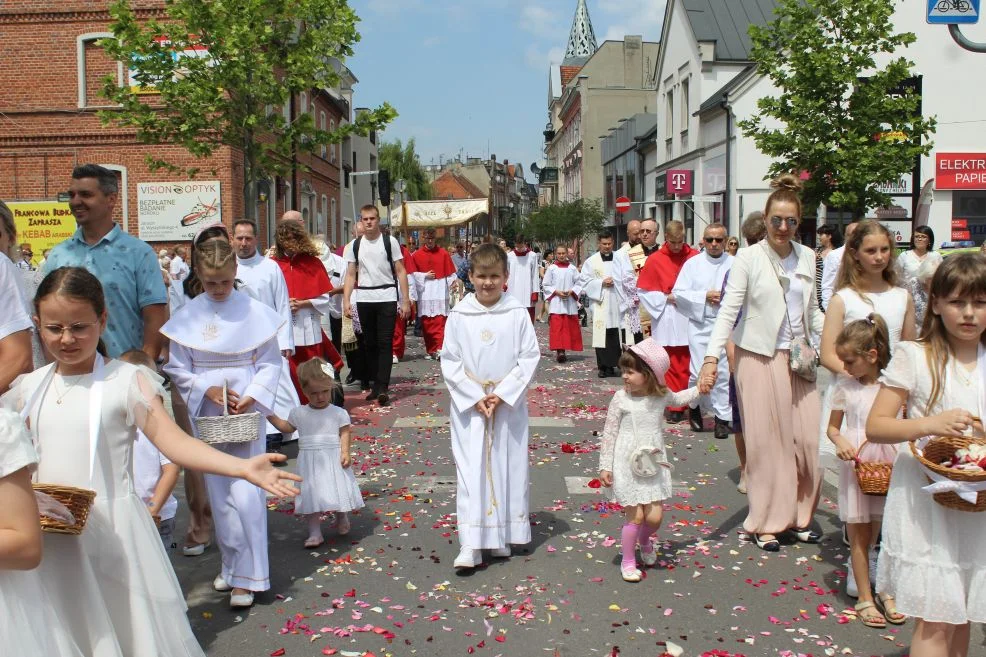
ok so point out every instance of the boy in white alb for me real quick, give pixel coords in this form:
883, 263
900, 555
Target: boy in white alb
488, 361
522, 275
155, 476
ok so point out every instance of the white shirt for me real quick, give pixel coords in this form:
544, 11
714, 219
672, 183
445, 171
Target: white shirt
794, 297
15, 316
374, 270
265, 282
148, 463
178, 268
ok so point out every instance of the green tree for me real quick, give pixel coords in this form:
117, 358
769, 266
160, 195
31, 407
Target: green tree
844, 119
260, 55
403, 163
566, 222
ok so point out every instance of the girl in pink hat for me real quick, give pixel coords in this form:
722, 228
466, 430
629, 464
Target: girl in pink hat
633, 458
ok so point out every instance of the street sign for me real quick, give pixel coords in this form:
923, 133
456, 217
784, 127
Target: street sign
622, 204
953, 12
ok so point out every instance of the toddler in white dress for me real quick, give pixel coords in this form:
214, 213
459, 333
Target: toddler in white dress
633, 458
323, 453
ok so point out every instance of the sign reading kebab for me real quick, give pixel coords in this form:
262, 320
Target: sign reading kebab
42, 224
174, 211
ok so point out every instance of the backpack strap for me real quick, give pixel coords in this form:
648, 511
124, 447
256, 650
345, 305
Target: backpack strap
390, 260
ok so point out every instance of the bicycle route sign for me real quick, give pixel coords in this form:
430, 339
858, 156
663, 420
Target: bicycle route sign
953, 12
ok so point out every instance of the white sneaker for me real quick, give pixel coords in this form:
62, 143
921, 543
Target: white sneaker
241, 600
851, 589
395, 360
427, 356
468, 558
221, 584
631, 574
501, 553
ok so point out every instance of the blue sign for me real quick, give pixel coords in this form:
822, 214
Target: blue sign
953, 12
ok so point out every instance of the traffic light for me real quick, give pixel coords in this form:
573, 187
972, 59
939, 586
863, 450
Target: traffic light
383, 186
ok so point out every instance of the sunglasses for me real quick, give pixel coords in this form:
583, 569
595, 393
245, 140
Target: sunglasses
717, 240
792, 222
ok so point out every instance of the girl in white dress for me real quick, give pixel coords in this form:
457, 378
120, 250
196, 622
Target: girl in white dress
112, 586
633, 457
932, 558
225, 338
864, 348
22, 599
323, 452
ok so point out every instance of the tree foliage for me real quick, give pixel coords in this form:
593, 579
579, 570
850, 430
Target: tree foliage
841, 114
256, 56
566, 222
403, 163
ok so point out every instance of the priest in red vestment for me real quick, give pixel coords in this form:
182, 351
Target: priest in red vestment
399, 344
433, 278
308, 293
669, 328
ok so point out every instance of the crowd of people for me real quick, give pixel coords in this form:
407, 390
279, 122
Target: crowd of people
718, 331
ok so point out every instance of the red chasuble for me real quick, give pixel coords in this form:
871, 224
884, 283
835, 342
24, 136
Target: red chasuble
305, 276
661, 269
437, 260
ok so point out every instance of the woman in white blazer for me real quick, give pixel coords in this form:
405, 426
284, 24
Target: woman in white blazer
773, 284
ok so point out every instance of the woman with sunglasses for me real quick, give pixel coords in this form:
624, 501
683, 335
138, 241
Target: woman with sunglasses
772, 283
732, 245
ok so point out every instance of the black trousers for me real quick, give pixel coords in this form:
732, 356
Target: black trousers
335, 327
377, 320
609, 356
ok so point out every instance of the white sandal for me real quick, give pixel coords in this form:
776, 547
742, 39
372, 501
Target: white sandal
631, 574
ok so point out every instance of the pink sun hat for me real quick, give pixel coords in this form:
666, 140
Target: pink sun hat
655, 356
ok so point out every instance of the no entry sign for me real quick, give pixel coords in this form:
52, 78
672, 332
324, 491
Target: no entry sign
622, 204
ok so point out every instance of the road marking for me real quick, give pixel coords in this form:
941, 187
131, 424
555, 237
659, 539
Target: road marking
425, 484
432, 421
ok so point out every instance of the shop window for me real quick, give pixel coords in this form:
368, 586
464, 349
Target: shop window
968, 207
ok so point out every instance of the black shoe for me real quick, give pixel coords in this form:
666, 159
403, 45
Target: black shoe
722, 429
695, 419
674, 417
351, 379
603, 373
773, 545
383, 399
615, 371
372, 395
806, 535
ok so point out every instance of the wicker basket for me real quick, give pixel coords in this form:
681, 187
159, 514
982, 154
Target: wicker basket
873, 476
226, 428
940, 449
76, 500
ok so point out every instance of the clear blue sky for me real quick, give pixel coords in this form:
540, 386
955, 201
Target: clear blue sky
471, 76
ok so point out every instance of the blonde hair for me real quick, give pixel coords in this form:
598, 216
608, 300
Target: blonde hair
865, 334
850, 271
316, 370
214, 255
652, 387
787, 189
292, 236
961, 275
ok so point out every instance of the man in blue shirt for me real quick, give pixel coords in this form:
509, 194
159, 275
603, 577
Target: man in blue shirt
136, 299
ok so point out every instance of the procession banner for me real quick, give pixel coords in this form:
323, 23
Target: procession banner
174, 211
439, 214
42, 224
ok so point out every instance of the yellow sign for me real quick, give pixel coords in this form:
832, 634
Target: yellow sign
42, 224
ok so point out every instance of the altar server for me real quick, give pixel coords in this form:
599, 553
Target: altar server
434, 278
561, 293
599, 280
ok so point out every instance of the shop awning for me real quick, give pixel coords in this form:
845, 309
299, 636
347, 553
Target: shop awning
439, 214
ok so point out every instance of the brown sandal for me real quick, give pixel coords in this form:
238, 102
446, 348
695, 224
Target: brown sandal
873, 619
889, 609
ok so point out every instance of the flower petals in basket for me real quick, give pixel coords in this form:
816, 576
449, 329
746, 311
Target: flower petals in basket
962, 490
226, 428
78, 501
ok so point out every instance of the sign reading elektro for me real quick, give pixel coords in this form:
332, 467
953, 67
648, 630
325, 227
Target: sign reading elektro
960, 171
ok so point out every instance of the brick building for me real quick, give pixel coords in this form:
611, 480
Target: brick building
51, 79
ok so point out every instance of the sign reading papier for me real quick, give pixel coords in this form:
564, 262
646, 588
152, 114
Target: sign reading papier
42, 224
960, 171
174, 211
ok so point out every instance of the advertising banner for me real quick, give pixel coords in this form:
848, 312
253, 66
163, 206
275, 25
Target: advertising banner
42, 224
174, 211
960, 171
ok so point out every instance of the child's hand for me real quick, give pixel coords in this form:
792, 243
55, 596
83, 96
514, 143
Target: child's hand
345, 460
606, 478
492, 401
950, 423
482, 408
243, 405
215, 395
261, 472
843, 448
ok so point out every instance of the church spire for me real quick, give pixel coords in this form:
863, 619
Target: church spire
582, 39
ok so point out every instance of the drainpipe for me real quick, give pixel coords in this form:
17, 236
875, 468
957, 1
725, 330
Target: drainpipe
729, 163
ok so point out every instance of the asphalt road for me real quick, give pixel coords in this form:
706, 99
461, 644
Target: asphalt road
388, 588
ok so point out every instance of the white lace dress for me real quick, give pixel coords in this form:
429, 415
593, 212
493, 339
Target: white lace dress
326, 485
633, 422
933, 559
